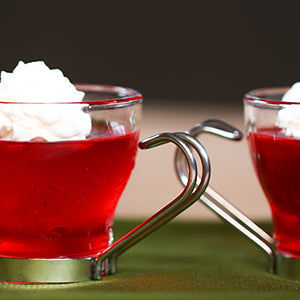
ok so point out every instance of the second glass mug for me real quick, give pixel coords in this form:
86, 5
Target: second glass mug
276, 157
275, 152
58, 198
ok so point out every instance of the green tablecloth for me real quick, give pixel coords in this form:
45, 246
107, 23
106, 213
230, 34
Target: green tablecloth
182, 260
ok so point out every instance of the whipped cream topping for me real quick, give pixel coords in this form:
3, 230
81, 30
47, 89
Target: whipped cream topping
288, 117
22, 120
292, 94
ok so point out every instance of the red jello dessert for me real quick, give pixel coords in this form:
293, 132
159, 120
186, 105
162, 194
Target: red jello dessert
276, 158
58, 198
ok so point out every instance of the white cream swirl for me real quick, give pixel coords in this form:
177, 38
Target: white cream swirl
289, 116
22, 120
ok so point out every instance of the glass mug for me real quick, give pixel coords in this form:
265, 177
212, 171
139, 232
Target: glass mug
276, 159
58, 198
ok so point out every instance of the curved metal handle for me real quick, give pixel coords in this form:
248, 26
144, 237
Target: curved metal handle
191, 193
218, 204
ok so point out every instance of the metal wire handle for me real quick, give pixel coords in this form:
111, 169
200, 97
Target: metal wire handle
191, 193
218, 204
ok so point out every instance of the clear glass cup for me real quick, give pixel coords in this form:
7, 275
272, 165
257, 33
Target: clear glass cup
45, 186
58, 198
276, 159
272, 130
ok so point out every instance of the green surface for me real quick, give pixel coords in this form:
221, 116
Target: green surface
182, 260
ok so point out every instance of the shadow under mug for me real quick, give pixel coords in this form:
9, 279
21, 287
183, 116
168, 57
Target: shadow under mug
276, 158
58, 198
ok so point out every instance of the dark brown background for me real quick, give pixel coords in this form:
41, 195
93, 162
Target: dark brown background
203, 50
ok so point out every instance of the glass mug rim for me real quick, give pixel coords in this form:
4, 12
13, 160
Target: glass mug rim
264, 96
120, 96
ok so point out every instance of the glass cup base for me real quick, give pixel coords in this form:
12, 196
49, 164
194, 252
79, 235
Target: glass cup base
16, 270
287, 266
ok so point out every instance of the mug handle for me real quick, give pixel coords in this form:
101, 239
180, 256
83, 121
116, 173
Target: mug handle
105, 263
218, 204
